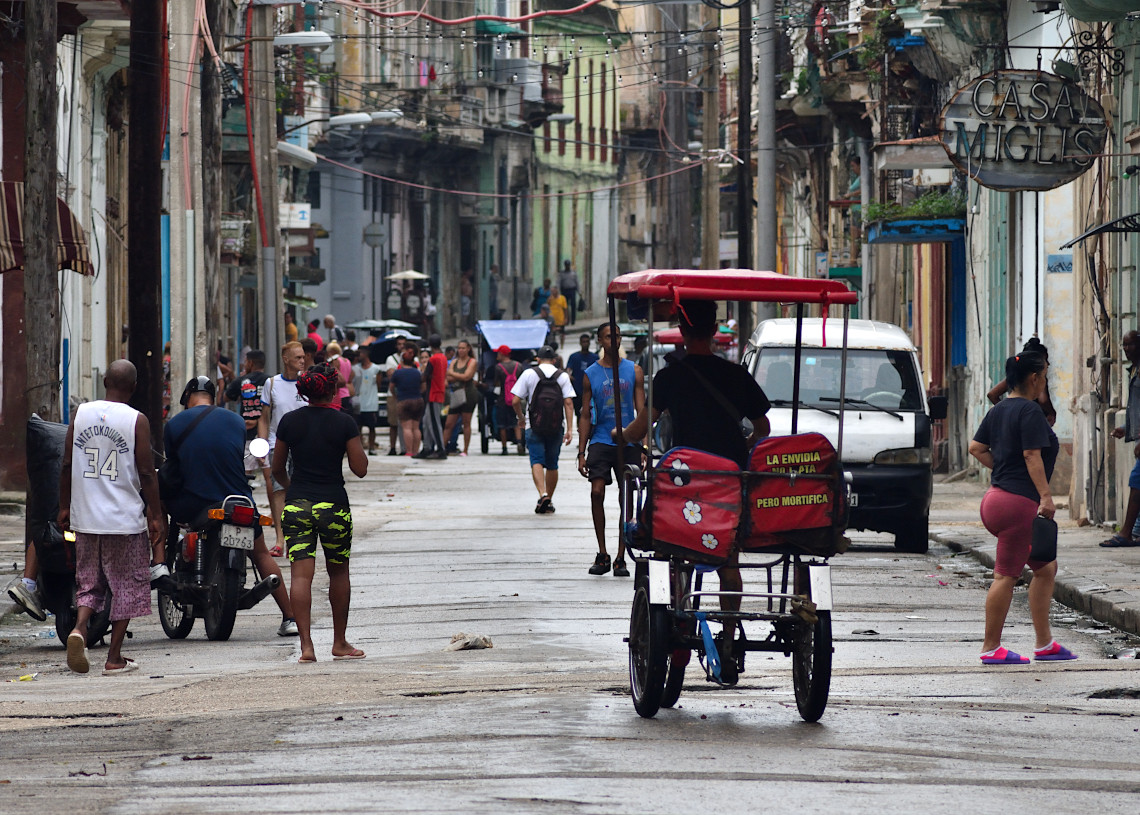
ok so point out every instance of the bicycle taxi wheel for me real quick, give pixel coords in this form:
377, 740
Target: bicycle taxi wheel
811, 667
648, 654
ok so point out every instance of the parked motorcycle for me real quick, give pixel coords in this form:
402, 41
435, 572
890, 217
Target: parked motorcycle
54, 547
208, 571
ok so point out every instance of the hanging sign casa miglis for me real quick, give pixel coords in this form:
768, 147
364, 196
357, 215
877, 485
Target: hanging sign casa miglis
1022, 130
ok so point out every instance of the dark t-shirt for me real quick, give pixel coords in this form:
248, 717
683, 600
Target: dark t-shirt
1011, 427
247, 388
317, 439
576, 366
699, 419
407, 382
212, 457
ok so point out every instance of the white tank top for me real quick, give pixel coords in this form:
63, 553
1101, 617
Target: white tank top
105, 489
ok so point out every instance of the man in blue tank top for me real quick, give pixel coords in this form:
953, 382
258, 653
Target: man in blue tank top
596, 423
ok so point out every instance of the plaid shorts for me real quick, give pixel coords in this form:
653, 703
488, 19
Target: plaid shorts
304, 522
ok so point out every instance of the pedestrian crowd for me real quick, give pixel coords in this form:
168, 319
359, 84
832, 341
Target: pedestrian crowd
333, 394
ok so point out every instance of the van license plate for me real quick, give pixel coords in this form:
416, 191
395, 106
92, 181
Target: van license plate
237, 537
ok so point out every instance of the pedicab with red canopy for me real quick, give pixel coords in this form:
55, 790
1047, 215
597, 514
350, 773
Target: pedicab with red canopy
686, 511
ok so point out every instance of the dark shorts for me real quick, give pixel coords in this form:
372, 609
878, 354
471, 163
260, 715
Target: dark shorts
1134, 476
543, 449
369, 418
601, 460
411, 410
505, 416
304, 522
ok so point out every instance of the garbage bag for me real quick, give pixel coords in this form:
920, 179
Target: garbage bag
45, 442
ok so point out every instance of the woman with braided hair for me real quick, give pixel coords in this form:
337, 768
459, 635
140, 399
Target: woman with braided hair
317, 438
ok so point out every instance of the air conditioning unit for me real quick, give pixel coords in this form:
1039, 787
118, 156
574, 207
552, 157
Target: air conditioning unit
522, 73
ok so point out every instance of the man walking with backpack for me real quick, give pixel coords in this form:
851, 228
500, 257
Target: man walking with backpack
549, 399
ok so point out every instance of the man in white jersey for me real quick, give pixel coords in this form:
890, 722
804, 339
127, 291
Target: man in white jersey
109, 498
279, 394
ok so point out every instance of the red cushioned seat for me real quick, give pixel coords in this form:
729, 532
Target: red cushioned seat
696, 505
793, 504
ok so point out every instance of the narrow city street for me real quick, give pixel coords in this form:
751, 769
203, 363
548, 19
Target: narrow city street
543, 720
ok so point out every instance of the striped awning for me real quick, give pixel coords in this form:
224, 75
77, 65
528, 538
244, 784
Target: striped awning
72, 250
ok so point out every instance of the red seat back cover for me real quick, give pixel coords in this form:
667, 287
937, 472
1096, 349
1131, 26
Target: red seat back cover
781, 504
695, 511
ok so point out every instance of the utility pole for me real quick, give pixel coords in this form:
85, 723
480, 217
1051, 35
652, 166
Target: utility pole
263, 101
678, 187
41, 238
216, 298
189, 350
144, 208
710, 130
766, 247
744, 170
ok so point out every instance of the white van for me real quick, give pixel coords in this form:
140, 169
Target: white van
886, 428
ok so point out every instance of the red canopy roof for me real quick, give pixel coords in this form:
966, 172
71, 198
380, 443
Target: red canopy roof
672, 336
729, 284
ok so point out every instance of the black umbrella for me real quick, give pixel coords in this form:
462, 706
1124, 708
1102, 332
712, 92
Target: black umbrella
385, 345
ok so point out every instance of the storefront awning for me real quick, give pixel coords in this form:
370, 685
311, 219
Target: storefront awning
1091, 11
72, 249
1129, 223
497, 27
937, 230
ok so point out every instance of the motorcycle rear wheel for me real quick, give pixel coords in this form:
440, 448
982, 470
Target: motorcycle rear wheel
65, 611
225, 584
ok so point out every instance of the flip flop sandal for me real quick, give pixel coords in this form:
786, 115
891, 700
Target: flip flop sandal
356, 654
276, 552
1003, 656
130, 667
1054, 653
1119, 541
77, 653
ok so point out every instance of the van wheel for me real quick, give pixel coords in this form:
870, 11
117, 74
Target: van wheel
916, 538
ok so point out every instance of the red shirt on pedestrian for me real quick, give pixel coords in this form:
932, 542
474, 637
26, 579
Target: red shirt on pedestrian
438, 385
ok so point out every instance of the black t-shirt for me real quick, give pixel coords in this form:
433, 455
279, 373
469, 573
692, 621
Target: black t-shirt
317, 438
1013, 426
699, 419
247, 388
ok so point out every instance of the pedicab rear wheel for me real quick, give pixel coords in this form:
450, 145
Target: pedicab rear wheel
648, 654
674, 680
811, 667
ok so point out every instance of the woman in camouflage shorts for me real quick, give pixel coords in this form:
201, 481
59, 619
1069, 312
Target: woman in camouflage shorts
316, 438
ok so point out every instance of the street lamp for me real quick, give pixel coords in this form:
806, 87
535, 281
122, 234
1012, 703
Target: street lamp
386, 115
560, 118
315, 40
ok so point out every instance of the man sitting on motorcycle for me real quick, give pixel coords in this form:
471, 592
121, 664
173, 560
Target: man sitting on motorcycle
213, 467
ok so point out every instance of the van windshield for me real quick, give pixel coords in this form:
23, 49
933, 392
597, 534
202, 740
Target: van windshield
885, 379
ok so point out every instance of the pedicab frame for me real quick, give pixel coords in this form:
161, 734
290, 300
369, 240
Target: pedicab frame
666, 623
524, 338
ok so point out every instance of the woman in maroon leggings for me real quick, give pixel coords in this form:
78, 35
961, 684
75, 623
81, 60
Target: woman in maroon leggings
1016, 442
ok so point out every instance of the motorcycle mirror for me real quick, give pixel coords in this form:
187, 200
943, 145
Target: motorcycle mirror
259, 448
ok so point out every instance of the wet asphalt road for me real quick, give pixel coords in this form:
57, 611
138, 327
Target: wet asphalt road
543, 722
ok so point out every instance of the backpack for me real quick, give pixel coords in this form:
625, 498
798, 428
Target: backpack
508, 383
545, 407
